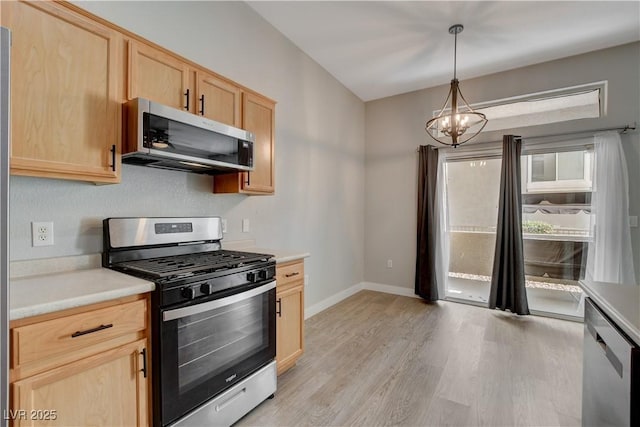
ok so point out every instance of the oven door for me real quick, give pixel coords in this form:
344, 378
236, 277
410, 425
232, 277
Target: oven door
207, 347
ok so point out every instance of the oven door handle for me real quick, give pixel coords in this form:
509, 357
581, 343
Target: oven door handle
179, 313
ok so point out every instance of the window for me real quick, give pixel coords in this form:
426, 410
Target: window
551, 106
564, 171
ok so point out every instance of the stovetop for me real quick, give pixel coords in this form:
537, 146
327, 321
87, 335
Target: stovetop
179, 266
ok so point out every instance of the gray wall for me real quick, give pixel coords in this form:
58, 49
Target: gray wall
395, 127
319, 201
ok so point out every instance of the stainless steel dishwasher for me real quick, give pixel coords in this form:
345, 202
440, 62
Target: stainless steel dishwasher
610, 373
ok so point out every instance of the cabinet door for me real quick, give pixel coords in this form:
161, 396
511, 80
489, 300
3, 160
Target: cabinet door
64, 94
258, 116
108, 389
218, 100
157, 76
289, 327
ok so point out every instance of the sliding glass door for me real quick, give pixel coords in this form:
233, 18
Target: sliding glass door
556, 223
472, 187
557, 226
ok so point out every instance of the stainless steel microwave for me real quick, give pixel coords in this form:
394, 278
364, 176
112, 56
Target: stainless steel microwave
167, 138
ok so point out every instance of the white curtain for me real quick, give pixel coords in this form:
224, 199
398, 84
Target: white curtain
610, 258
442, 239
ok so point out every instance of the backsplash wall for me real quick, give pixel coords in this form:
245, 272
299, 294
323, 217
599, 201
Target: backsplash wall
319, 202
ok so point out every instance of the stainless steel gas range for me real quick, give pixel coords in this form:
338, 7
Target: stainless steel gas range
213, 317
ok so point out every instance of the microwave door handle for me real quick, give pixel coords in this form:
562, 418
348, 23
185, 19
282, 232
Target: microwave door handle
179, 313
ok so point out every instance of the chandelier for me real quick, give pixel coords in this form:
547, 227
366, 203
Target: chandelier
450, 126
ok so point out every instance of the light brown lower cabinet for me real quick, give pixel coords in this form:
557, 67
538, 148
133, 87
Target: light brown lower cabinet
105, 383
289, 314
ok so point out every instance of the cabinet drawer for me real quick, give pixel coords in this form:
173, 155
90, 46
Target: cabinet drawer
75, 332
289, 272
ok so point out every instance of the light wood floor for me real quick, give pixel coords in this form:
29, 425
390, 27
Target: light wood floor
380, 359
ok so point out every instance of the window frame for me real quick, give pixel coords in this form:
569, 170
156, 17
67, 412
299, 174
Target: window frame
584, 184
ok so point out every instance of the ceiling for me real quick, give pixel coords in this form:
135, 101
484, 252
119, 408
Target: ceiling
383, 48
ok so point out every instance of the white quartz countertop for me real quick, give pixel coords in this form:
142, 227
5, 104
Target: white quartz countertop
620, 302
279, 254
34, 295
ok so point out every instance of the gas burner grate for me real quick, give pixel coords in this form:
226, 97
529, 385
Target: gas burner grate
180, 265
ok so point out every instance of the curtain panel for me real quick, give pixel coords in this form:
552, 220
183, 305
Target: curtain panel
507, 280
426, 280
610, 256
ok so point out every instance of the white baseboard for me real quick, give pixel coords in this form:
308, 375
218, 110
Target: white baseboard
332, 300
370, 286
388, 289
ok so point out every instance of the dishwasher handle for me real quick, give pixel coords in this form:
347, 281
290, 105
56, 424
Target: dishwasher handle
608, 351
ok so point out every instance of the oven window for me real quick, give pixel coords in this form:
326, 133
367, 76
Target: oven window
212, 342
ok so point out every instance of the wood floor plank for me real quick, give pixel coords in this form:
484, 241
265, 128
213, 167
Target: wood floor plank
379, 359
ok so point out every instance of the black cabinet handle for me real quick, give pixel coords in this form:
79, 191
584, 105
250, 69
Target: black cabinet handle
90, 331
202, 105
279, 308
113, 157
186, 94
143, 353
292, 274
248, 181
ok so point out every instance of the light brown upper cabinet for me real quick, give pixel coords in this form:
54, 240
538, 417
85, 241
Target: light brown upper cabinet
159, 77
217, 99
258, 116
65, 110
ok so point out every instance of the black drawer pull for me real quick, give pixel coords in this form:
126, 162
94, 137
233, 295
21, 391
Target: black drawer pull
90, 331
143, 353
292, 274
113, 157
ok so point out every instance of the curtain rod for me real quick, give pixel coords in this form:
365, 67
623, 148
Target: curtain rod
622, 129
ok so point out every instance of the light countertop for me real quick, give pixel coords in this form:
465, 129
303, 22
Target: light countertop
47, 285
620, 302
34, 295
279, 254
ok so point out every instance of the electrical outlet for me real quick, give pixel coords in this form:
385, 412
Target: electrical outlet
245, 225
224, 225
633, 221
42, 233
389, 263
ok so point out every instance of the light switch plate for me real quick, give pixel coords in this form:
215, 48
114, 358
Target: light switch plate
224, 225
633, 221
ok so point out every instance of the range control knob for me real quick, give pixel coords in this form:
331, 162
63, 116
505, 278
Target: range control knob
206, 289
262, 274
188, 293
251, 277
